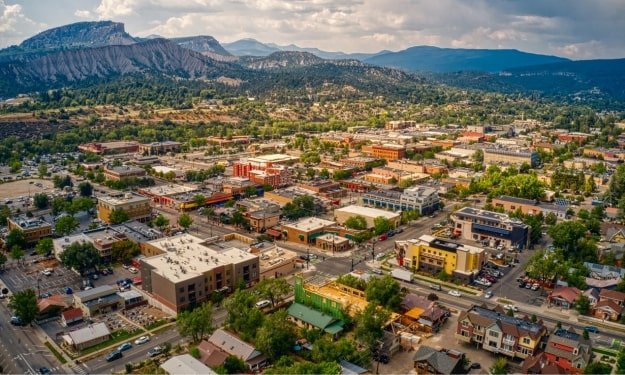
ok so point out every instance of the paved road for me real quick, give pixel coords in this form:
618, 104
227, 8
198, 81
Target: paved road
21, 351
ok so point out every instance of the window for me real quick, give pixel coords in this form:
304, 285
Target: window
526, 340
181, 289
493, 334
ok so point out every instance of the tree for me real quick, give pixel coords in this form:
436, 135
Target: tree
123, 251
326, 350
81, 256
369, 325
66, 225
58, 205
5, 213
24, 305
44, 246
243, 316
41, 200
381, 225
232, 365
384, 291
598, 368
42, 170
15, 237
199, 200
510, 312
118, 216
185, 221
61, 182
500, 367
582, 305
85, 188
586, 335
80, 204
17, 252
3, 259
546, 265
356, 222
352, 281
551, 219
620, 362
566, 236
161, 222
329, 368
276, 335
196, 323
273, 289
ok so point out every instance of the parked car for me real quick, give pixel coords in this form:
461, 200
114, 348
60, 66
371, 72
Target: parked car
16, 321
511, 307
436, 287
114, 355
125, 346
155, 351
591, 329
142, 340
454, 293
488, 294
383, 237
133, 270
44, 371
68, 290
262, 304
46, 272
476, 366
94, 276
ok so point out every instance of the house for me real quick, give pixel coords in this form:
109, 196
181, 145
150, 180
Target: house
98, 300
211, 355
612, 295
593, 295
71, 316
569, 350
428, 360
564, 296
540, 364
233, 345
52, 306
307, 317
423, 311
185, 364
87, 337
348, 368
609, 306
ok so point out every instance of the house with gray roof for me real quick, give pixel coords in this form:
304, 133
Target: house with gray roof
233, 345
428, 360
98, 300
185, 365
87, 337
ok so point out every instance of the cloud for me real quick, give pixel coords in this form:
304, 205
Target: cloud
82, 13
109, 9
14, 24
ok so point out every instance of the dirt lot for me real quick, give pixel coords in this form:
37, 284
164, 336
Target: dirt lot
19, 188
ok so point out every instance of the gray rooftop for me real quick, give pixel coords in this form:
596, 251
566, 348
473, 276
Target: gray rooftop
89, 333
233, 345
100, 291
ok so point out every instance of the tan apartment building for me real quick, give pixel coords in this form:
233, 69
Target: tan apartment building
137, 207
187, 270
34, 229
125, 171
386, 151
510, 157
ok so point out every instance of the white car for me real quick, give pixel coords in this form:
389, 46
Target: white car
488, 294
454, 293
47, 272
142, 340
262, 304
511, 307
133, 270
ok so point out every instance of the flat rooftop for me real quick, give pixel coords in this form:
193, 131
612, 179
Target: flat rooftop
309, 224
367, 211
127, 198
29, 223
186, 257
272, 158
439, 243
169, 189
488, 215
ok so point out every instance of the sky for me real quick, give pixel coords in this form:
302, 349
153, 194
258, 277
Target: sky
577, 29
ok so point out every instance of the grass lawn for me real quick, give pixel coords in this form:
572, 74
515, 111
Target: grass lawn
55, 352
116, 337
156, 324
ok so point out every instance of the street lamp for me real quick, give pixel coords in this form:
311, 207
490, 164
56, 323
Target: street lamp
38, 289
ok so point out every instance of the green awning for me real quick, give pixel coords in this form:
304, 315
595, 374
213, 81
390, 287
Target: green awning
334, 328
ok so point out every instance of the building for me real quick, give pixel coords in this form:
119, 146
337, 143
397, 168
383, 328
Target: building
610, 305
87, 337
530, 206
422, 199
211, 355
399, 124
569, 350
433, 255
101, 299
495, 331
33, 229
490, 228
332, 242
341, 215
265, 169
233, 345
564, 297
124, 171
427, 314
263, 218
110, 148
428, 360
499, 156
185, 364
306, 229
324, 188
310, 318
159, 148
386, 151
275, 261
71, 316
186, 270
137, 207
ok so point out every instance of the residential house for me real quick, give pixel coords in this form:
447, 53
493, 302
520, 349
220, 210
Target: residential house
233, 345
426, 313
101, 299
309, 318
211, 355
569, 350
71, 316
185, 364
428, 360
88, 336
540, 364
610, 305
564, 297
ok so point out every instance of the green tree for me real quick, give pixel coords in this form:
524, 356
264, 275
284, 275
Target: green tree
61, 182
551, 219
58, 205
567, 235
196, 323
123, 251
185, 221
24, 305
41, 200
273, 289
15, 237
243, 316
500, 367
369, 325
356, 222
620, 362
352, 281
44, 246
3, 259
81, 256
328, 368
15, 166
598, 368
276, 336
546, 265
17, 253
161, 222
42, 170
85, 188
326, 350
232, 365
80, 204
381, 225
384, 291
582, 305
66, 225
199, 200
118, 216
5, 213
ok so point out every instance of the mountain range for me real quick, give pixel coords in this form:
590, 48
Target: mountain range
87, 53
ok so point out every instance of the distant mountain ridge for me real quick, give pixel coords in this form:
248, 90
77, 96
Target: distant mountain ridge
252, 47
206, 45
443, 60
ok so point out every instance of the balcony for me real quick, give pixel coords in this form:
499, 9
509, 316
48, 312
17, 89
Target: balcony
461, 337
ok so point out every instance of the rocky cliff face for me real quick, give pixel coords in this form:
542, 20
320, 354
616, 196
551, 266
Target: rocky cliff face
206, 45
82, 34
282, 59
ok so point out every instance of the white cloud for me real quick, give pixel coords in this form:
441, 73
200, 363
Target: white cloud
82, 13
584, 50
109, 9
15, 25
10, 16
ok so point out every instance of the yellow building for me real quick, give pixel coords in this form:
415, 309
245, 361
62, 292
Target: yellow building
433, 255
136, 206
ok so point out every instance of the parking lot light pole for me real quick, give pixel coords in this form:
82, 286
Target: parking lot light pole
38, 289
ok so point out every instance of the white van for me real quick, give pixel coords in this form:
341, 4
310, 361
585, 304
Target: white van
262, 304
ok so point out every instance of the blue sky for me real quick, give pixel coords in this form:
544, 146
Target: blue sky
578, 29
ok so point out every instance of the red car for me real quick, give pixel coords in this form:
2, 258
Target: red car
383, 237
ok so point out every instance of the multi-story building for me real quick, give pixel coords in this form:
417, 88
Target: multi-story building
265, 169
307, 229
433, 255
387, 151
110, 148
159, 148
399, 124
530, 206
34, 229
428, 360
499, 156
137, 207
423, 199
495, 331
341, 215
568, 350
125, 171
187, 269
490, 228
